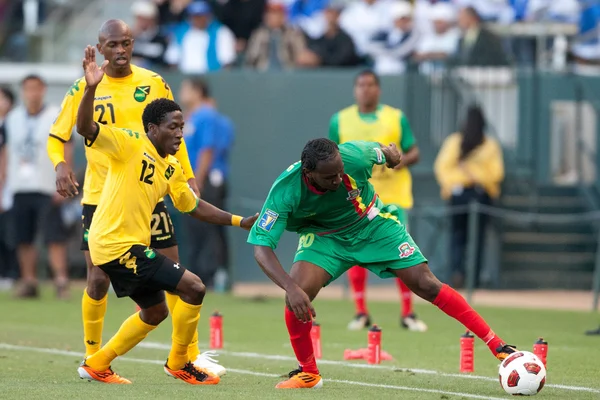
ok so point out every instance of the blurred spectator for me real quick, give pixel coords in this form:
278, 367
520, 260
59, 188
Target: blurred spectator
392, 48
275, 45
334, 49
30, 177
171, 13
150, 45
488, 10
438, 46
308, 15
241, 16
586, 48
208, 137
469, 167
201, 45
362, 19
551, 10
478, 47
9, 268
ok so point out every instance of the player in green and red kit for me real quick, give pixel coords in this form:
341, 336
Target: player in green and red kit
327, 199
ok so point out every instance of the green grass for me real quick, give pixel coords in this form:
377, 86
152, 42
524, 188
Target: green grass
257, 326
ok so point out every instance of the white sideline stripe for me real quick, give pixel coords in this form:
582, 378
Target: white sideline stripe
7, 346
162, 346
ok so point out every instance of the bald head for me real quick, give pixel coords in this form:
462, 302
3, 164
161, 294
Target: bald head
115, 43
113, 27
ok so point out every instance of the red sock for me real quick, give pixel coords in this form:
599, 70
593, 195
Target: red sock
301, 342
405, 297
358, 281
453, 304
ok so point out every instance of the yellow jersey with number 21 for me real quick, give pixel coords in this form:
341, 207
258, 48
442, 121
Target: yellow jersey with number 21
118, 102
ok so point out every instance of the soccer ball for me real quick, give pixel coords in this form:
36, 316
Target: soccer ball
522, 373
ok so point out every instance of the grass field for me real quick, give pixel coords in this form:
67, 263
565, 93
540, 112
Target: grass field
41, 345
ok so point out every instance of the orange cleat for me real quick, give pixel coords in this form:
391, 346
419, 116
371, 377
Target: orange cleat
108, 376
504, 351
193, 375
301, 380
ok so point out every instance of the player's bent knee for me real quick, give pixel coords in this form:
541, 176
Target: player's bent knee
193, 290
429, 286
97, 284
155, 315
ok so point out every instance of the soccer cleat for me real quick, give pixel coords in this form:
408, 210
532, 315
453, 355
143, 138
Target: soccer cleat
193, 375
360, 321
593, 332
504, 351
412, 323
301, 380
108, 376
206, 361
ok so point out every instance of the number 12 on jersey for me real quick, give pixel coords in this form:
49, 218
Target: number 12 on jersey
147, 172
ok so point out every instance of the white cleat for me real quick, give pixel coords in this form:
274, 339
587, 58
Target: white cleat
412, 323
206, 361
360, 321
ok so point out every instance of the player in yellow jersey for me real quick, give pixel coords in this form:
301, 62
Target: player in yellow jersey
141, 170
370, 120
119, 101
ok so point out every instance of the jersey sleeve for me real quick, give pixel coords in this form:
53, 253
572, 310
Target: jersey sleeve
62, 127
334, 128
267, 230
408, 139
164, 89
117, 143
184, 198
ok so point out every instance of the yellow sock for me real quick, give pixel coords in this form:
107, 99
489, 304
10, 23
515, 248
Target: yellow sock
92, 312
185, 324
193, 350
131, 332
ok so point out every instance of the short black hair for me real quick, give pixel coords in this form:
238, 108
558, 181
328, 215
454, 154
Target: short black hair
200, 86
156, 111
8, 93
33, 77
367, 72
316, 150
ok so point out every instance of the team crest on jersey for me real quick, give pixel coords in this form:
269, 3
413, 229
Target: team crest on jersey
149, 253
268, 220
169, 172
406, 250
141, 92
353, 194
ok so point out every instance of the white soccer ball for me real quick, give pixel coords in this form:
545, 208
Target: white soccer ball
522, 373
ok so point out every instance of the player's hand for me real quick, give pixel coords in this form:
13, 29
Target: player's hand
93, 73
66, 183
299, 303
248, 222
194, 186
393, 156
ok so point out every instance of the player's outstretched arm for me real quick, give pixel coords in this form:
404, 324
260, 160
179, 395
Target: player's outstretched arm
86, 126
206, 212
298, 300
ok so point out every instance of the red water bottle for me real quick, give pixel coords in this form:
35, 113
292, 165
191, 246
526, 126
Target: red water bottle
216, 331
540, 349
315, 336
374, 348
467, 352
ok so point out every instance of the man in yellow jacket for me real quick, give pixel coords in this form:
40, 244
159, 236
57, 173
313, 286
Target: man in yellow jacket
369, 120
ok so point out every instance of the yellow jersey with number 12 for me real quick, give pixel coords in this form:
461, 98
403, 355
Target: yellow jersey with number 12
137, 179
118, 102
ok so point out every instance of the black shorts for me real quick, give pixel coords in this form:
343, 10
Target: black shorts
34, 212
143, 274
163, 233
